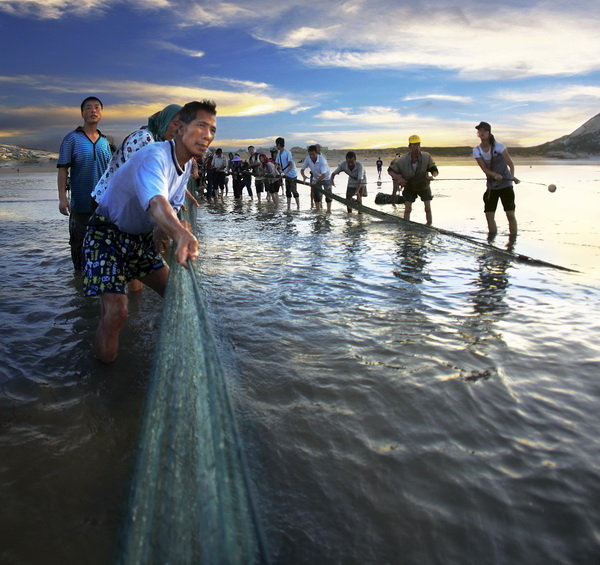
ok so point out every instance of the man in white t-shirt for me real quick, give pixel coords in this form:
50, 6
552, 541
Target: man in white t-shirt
320, 176
143, 196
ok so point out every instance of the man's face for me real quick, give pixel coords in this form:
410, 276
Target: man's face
251, 150
313, 156
414, 148
351, 161
92, 112
199, 133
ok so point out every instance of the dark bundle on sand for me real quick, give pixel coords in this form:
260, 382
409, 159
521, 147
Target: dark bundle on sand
383, 198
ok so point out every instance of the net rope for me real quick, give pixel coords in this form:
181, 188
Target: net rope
191, 496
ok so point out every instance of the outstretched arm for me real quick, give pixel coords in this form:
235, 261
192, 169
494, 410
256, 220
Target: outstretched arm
167, 221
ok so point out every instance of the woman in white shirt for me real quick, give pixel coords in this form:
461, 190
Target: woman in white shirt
495, 162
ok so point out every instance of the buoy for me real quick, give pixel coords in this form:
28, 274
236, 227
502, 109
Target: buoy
551, 187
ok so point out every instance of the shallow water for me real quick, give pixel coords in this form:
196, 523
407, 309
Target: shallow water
404, 397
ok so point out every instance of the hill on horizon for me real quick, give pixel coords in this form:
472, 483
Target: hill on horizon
583, 142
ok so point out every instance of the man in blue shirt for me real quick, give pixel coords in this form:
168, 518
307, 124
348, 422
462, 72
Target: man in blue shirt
84, 153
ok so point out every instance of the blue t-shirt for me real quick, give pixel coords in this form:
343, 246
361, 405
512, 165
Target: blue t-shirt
87, 162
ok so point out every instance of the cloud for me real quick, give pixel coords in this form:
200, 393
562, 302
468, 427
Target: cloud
176, 49
476, 41
302, 109
379, 126
56, 9
301, 36
249, 98
440, 97
552, 94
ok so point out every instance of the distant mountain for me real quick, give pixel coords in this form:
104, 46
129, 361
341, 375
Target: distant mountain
583, 142
23, 155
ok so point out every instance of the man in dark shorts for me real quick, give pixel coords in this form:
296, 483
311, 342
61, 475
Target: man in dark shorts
143, 195
287, 167
413, 172
357, 178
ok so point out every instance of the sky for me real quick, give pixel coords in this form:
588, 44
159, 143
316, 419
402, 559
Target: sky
353, 74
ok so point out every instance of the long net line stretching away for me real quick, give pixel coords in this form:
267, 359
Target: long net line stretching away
519, 257
191, 499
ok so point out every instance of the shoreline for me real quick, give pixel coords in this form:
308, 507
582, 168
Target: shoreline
333, 157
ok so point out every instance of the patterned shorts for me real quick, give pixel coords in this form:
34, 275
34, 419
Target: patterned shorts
112, 258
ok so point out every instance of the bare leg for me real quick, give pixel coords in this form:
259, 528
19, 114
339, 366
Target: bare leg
297, 198
407, 210
113, 315
491, 222
157, 280
428, 215
512, 222
134, 286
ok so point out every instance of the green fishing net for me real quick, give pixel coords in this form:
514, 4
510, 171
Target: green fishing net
191, 496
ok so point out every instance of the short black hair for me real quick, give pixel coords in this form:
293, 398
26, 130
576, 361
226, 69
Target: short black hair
91, 98
313, 148
280, 141
189, 111
350, 155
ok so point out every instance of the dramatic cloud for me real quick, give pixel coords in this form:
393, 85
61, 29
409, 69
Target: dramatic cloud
252, 100
478, 41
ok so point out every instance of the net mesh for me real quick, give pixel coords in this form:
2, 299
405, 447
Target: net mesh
191, 497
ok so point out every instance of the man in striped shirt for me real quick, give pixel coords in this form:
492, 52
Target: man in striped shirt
84, 155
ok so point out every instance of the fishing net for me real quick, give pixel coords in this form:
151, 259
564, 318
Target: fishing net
191, 497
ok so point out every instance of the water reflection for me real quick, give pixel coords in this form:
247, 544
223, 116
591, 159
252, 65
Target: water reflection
353, 242
412, 251
492, 283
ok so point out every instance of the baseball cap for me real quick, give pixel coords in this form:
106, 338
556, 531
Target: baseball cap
484, 125
414, 139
